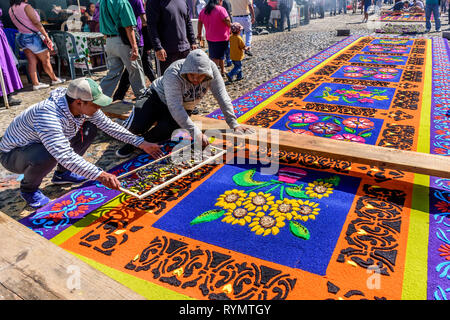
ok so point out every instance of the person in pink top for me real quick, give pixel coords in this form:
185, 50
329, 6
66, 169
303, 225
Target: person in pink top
28, 22
217, 30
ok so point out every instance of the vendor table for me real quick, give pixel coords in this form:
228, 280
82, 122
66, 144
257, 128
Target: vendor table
89, 43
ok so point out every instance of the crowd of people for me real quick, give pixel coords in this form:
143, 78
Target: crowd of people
57, 131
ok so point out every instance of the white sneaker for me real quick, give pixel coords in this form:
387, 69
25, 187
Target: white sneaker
40, 86
59, 81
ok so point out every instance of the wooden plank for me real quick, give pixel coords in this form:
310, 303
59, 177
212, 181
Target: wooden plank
410, 161
32, 267
118, 110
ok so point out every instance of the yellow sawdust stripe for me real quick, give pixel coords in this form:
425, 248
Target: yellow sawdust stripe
416, 264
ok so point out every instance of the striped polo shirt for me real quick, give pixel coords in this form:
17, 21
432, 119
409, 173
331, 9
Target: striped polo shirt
51, 123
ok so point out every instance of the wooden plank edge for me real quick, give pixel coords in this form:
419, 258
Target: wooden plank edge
32, 267
404, 160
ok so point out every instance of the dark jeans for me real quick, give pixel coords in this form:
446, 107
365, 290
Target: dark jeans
172, 57
285, 11
145, 114
237, 70
35, 162
124, 83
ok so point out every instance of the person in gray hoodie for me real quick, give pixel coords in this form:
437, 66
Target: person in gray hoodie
170, 99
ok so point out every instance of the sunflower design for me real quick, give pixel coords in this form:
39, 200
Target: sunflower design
265, 225
319, 189
307, 210
287, 208
258, 201
231, 199
238, 215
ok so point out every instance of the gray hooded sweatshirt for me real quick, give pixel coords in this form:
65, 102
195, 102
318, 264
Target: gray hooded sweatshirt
174, 89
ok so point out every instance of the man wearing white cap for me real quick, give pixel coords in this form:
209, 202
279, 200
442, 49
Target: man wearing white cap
58, 131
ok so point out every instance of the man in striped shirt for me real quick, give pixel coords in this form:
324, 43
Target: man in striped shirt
59, 130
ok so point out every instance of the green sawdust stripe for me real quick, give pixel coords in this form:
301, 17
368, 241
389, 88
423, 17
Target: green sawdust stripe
416, 264
145, 288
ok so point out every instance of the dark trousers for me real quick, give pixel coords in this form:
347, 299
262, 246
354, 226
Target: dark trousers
237, 70
172, 57
35, 162
285, 11
145, 114
124, 83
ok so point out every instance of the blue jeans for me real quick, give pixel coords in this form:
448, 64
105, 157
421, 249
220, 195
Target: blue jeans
237, 70
432, 8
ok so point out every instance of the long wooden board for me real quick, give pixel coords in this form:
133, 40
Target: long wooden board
410, 161
32, 267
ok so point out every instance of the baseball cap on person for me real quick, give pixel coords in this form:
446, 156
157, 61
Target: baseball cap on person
88, 90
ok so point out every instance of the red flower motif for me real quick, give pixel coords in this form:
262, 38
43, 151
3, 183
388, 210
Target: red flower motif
361, 123
303, 117
443, 206
445, 249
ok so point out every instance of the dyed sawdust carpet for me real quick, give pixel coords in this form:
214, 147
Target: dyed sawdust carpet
403, 17
315, 228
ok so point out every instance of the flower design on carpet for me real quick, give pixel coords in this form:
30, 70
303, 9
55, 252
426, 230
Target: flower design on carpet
368, 73
338, 127
60, 213
359, 93
390, 60
265, 214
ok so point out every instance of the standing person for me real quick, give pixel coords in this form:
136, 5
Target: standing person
217, 31
172, 97
8, 65
170, 30
141, 23
199, 6
237, 48
227, 5
366, 6
342, 6
285, 7
31, 39
87, 16
432, 7
244, 13
58, 131
115, 14
332, 4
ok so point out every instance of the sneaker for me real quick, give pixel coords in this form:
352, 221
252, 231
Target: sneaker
58, 81
427, 30
11, 101
239, 79
438, 30
40, 86
125, 151
249, 53
35, 199
228, 77
67, 177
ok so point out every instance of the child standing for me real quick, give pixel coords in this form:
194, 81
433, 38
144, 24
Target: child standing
237, 48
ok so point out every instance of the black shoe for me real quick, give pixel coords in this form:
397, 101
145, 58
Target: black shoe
228, 77
125, 151
11, 101
249, 53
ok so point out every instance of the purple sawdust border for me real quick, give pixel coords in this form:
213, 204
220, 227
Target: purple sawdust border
438, 284
306, 64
